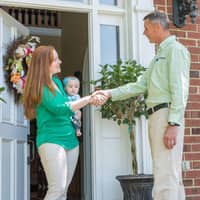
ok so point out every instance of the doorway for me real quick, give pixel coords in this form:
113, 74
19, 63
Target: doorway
68, 33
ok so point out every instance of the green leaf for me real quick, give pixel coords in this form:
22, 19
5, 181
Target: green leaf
115, 75
2, 100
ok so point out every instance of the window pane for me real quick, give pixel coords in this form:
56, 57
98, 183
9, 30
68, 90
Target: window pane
109, 44
109, 2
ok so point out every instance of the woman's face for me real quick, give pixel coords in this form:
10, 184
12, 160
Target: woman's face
55, 65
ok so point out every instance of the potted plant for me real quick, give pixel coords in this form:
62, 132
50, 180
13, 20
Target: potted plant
124, 112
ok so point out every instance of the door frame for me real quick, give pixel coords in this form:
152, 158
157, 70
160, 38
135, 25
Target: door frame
66, 7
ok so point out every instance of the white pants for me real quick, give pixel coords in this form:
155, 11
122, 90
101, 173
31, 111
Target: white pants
59, 166
167, 164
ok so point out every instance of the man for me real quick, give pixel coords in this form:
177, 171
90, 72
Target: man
166, 81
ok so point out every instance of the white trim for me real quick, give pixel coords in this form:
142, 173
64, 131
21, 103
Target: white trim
141, 8
56, 32
108, 10
93, 34
58, 5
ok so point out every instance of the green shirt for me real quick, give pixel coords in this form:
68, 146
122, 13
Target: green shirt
166, 80
53, 119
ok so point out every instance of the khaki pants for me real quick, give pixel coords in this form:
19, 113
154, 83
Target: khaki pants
167, 164
59, 166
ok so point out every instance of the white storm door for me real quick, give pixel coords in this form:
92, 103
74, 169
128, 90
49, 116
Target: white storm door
14, 167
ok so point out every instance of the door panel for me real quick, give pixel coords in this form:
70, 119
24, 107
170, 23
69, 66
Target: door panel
14, 169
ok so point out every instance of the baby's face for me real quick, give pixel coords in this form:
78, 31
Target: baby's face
72, 87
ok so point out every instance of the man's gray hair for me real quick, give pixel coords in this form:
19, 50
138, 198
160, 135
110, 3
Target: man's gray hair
158, 17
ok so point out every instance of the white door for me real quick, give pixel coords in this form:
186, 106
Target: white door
14, 167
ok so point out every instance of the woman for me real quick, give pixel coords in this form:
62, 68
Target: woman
46, 100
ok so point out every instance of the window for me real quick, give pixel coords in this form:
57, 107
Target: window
109, 42
109, 2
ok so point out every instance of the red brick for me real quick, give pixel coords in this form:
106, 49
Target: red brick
197, 181
194, 35
192, 174
193, 106
192, 197
169, 2
195, 147
195, 66
187, 131
188, 182
159, 2
191, 27
193, 90
195, 114
187, 148
194, 97
195, 82
187, 114
192, 123
178, 33
196, 165
191, 139
195, 131
192, 156
195, 50
169, 9
195, 58
193, 191
188, 42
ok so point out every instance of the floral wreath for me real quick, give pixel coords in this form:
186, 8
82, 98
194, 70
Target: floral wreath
18, 59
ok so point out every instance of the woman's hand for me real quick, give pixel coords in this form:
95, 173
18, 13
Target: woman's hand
98, 98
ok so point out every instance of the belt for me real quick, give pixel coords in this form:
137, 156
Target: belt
157, 107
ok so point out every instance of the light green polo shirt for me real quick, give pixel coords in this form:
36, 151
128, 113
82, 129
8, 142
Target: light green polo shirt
166, 80
53, 119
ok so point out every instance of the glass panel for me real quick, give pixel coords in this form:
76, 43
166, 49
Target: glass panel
109, 44
109, 2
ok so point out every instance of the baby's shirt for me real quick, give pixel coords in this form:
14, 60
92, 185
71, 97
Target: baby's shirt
74, 97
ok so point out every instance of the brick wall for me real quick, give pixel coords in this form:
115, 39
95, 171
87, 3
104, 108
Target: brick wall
189, 35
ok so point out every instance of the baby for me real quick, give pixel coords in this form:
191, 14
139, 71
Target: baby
72, 85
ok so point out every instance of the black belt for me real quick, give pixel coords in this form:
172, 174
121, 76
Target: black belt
157, 107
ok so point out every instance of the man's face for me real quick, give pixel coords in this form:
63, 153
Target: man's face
151, 31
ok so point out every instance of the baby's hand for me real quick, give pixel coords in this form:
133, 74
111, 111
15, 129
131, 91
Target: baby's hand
78, 133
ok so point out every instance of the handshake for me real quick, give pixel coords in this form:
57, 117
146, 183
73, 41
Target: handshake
99, 97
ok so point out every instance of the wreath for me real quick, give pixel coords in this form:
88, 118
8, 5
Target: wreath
18, 59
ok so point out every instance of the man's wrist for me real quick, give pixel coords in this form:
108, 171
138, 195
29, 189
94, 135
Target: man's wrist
173, 124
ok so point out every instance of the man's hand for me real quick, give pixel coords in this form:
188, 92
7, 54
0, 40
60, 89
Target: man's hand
170, 137
98, 98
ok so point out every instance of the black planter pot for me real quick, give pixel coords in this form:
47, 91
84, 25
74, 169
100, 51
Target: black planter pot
136, 187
